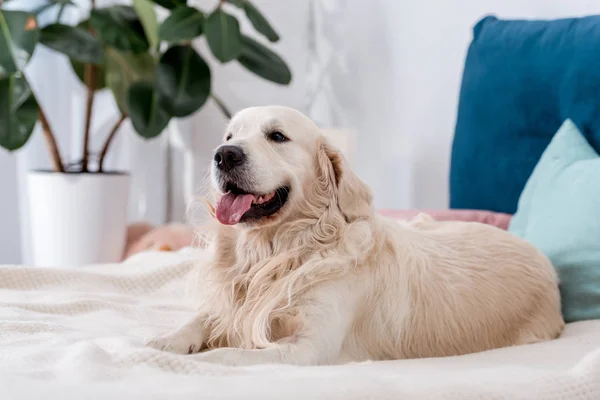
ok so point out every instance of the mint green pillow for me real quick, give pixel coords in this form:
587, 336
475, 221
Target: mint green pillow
559, 213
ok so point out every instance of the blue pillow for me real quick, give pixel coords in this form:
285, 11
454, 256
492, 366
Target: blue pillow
521, 80
559, 213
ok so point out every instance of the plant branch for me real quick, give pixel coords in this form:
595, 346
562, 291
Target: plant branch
61, 10
90, 82
90, 77
221, 106
109, 139
50, 142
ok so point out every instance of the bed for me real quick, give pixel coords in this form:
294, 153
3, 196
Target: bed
79, 333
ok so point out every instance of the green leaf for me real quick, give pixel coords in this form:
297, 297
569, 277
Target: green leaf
147, 14
259, 22
120, 28
183, 80
18, 112
223, 35
76, 43
237, 3
147, 116
184, 24
79, 69
264, 62
170, 4
125, 68
18, 36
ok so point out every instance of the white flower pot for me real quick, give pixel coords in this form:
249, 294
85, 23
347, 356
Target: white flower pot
77, 219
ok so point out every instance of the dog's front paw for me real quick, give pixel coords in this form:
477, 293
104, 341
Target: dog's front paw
178, 342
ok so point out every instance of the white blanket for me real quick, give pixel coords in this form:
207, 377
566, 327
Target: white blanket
79, 334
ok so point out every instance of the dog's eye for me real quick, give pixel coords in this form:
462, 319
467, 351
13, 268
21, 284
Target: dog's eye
228, 138
277, 136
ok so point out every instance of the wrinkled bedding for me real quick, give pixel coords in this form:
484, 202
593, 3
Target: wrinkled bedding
79, 333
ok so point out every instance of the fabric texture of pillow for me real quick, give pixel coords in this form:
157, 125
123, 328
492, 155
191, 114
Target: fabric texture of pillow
521, 80
559, 213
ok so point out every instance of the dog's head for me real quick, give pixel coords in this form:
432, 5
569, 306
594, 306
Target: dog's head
275, 162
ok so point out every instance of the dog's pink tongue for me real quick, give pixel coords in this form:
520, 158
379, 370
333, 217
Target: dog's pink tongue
231, 207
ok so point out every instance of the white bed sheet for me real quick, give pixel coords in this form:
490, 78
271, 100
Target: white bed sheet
79, 333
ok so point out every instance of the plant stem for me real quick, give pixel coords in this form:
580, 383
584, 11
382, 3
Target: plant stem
221, 106
90, 81
60, 12
109, 139
50, 142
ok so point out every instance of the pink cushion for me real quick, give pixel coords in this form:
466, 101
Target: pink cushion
499, 220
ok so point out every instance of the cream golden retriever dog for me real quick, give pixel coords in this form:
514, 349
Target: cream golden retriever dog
304, 272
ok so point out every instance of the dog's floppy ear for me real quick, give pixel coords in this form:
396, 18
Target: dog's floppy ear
354, 197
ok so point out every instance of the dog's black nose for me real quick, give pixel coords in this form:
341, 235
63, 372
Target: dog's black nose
229, 157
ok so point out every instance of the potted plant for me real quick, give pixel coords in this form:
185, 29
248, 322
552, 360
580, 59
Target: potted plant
78, 212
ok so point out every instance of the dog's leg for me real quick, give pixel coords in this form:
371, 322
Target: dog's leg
186, 340
319, 341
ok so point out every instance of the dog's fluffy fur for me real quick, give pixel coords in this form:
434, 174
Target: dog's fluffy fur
326, 280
